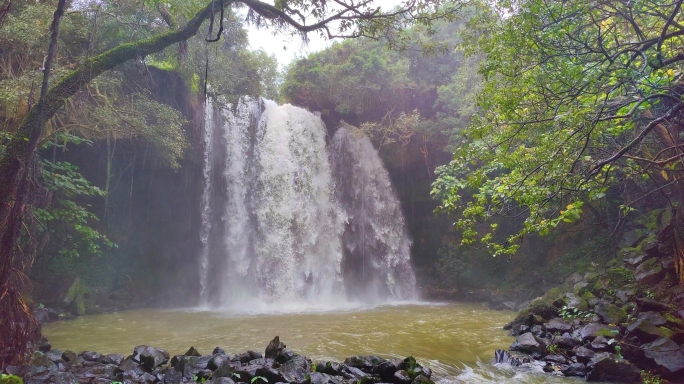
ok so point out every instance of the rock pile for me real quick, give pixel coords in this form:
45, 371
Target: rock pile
152, 365
608, 326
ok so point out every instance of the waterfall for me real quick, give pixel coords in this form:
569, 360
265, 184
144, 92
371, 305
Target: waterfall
281, 217
377, 248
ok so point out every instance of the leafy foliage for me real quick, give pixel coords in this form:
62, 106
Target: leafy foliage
578, 97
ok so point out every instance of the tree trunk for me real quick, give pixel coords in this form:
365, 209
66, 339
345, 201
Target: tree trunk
17, 326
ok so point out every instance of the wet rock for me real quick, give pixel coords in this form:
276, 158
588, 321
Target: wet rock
192, 352
55, 356
41, 360
45, 345
365, 363
330, 367
565, 341
626, 293
193, 366
635, 259
557, 325
352, 373
45, 315
666, 354
520, 329
528, 343
319, 378
175, 377
422, 379
591, 330
647, 304
217, 361
654, 318
253, 355
112, 358
599, 344
65, 378
386, 370
555, 359
227, 370
296, 369
223, 380
583, 354
538, 331
650, 272
90, 356
69, 356
501, 356
610, 313
274, 347
645, 330
402, 377
607, 367
574, 369
150, 357
218, 351
285, 355
131, 367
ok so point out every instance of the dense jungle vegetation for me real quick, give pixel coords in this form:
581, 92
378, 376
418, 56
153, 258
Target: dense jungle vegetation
525, 138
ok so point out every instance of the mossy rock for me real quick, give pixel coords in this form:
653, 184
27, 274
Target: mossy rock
609, 281
542, 308
673, 320
10, 379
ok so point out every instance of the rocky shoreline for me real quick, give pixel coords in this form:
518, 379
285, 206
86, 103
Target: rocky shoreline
624, 324
152, 365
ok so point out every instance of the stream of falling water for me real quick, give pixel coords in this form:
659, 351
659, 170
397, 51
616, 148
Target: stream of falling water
287, 218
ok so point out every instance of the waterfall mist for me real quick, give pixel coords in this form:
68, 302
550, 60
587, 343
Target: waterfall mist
287, 219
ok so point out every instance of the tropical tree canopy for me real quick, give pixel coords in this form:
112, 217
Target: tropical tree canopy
578, 97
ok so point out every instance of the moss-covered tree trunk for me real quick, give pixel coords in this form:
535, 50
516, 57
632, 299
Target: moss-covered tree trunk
18, 327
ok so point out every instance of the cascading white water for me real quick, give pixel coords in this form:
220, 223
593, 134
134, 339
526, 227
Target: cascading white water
273, 222
377, 248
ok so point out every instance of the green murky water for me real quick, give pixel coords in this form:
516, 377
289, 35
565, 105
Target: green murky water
456, 340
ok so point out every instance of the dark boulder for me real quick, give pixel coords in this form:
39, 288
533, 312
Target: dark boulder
650, 272
192, 352
646, 304
528, 343
352, 373
583, 354
610, 313
558, 325
150, 357
501, 356
112, 358
296, 369
591, 330
565, 341
221, 380
654, 317
130, 366
645, 330
69, 356
319, 378
253, 355
600, 344
90, 356
385, 370
217, 361
193, 366
574, 369
218, 351
65, 378
45, 315
274, 347
666, 354
285, 355
607, 367
365, 363
422, 379
555, 359
401, 377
